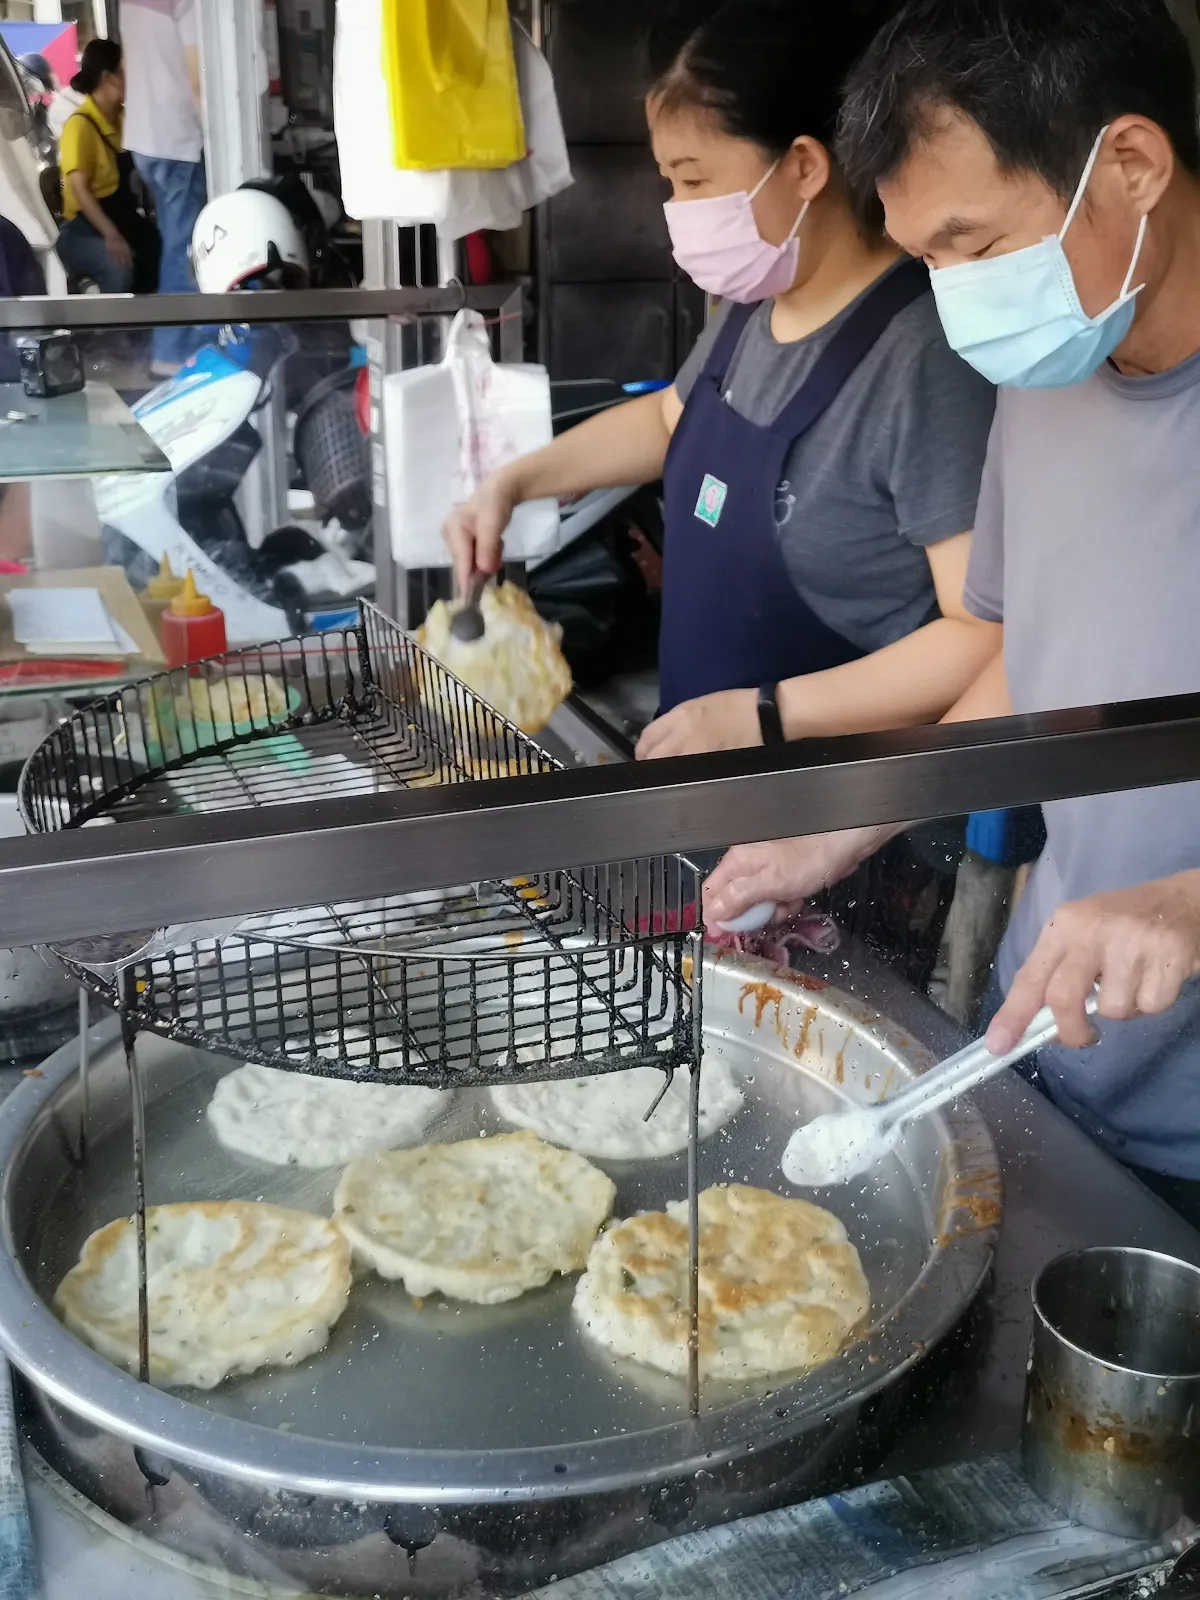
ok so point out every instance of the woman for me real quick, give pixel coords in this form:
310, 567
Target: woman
822, 447
105, 234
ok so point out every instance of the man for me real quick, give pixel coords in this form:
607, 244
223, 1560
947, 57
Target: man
163, 129
1043, 157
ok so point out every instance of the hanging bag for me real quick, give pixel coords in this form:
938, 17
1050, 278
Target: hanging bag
450, 425
452, 84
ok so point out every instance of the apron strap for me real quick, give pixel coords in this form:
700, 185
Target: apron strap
856, 336
725, 343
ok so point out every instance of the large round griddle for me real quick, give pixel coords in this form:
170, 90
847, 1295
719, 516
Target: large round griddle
438, 1418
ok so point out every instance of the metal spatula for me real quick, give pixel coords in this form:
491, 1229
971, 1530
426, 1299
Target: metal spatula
466, 625
842, 1144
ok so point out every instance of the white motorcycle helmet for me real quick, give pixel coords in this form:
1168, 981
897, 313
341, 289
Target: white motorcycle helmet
246, 236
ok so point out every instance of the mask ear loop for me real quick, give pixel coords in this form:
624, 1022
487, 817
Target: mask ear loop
1083, 182
796, 225
1137, 250
757, 189
769, 173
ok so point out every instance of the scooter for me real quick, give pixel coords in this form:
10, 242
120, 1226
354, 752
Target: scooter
202, 420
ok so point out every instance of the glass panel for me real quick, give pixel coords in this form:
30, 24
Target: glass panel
72, 435
889, 957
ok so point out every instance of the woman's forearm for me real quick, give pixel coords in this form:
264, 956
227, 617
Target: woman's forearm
986, 697
88, 204
916, 680
627, 444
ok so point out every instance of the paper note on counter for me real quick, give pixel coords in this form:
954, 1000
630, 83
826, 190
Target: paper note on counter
67, 622
970, 1532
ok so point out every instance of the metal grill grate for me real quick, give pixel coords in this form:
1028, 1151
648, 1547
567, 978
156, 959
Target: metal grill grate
572, 971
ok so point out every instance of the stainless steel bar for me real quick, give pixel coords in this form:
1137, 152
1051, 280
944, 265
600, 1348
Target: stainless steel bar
104, 880
85, 1061
246, 307
137, 1100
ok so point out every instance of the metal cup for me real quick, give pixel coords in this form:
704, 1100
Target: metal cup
1112, 1406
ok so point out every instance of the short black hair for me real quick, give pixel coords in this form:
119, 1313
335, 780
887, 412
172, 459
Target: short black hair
99, 56
770, 71
1040, 78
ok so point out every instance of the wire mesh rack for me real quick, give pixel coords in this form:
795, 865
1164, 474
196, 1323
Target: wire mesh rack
568, 971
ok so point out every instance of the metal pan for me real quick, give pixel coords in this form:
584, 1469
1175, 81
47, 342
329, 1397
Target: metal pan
418, 1428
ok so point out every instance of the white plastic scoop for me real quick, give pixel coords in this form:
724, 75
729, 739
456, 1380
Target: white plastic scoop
750, 921
838, 1146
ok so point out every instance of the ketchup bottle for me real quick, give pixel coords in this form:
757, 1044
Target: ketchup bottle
192, 627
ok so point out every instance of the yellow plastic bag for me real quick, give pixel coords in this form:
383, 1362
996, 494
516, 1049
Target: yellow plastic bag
452, 84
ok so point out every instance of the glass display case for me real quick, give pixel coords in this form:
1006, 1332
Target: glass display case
364, 875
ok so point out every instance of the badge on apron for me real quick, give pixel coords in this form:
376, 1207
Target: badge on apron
712, 500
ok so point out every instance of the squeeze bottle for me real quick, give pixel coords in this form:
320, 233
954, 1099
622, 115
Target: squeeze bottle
192, 627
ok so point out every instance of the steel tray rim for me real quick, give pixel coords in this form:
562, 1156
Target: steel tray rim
88, 1386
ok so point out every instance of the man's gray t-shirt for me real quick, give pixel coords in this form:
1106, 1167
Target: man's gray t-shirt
1087, 547
891, 467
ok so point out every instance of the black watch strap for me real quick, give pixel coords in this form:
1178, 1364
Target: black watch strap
769, 721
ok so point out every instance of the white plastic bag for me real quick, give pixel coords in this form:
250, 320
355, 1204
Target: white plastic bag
448, 427
457, 202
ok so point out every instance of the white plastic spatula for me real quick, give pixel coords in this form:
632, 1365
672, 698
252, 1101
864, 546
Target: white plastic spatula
838, 1146
750, 921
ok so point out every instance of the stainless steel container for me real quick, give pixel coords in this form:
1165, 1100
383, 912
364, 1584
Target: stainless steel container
1112, 1417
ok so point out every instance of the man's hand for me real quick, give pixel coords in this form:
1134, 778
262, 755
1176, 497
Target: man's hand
724, 721
1140, 945
787, 871
474, 531
118, 248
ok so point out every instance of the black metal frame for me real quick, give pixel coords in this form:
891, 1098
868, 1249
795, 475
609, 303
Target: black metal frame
107, 880
485, 983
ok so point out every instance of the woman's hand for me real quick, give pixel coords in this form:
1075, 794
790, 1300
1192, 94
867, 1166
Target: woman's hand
787, 871
1140, 945
117, 247
474, 531
724, 721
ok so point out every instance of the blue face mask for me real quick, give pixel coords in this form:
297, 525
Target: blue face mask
1017, 318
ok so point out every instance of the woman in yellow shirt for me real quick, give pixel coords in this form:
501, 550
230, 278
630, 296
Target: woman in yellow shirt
105, 234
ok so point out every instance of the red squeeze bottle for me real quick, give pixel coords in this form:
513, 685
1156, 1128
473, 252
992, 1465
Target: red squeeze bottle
192, 627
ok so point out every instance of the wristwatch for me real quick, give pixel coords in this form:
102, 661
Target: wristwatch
769, 721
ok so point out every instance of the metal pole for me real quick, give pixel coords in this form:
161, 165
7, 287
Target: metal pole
693, 1170
381, 270
85, 1062
237, 145
137, 1100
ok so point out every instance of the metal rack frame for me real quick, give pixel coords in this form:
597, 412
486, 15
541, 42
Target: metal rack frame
579, 972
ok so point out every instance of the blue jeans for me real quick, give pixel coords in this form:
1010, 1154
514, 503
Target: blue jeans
180, 194
81, 250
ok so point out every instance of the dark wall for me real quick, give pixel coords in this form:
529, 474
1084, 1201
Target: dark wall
612, 303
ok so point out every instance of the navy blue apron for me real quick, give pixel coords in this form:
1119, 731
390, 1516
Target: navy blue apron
732, 617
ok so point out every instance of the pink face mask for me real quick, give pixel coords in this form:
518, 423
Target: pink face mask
718, 245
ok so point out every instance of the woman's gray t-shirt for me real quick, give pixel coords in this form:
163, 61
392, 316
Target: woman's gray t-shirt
893, 465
